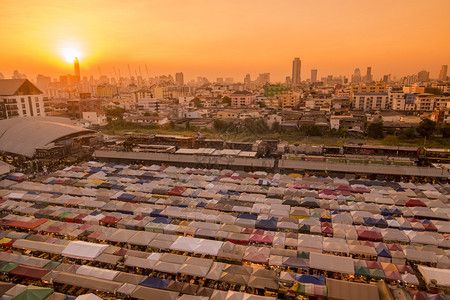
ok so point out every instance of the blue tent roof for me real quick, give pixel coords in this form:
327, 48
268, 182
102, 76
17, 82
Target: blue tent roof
247, 216
125, 196
156, 283
314, 279
161, 220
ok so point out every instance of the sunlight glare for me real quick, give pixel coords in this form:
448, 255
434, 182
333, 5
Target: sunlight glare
69, 54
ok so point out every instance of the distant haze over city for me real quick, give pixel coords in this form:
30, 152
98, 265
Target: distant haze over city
226, 38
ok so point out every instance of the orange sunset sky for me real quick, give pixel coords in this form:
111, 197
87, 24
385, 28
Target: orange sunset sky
224, 38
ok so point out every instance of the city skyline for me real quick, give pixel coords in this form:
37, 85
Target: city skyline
225, 39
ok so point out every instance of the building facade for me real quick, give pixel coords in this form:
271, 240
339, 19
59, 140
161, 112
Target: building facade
20, 98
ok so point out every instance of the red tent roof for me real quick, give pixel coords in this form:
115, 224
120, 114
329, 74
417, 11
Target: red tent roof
110, 220
27, 225
29, 272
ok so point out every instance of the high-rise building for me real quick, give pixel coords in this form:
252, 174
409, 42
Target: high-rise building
76, 66
314, 75
356, 78
296, 71
263, 78
443, 73
179, 78
423, 76
369, 77
247, 79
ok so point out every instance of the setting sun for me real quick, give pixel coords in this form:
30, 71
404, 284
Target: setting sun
69, 53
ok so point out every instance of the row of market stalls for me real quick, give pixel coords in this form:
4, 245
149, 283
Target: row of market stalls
289, 226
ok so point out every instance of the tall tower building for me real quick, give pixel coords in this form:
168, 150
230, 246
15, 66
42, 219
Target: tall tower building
369, 77
76, 66
443, 73
314, 75
247, 79
179, 78
423, 76
356, 78
296, 71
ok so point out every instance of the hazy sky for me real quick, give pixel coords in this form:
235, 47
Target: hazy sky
225, 38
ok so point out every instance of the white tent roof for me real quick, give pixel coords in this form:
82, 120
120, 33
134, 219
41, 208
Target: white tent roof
331, 263
83, 250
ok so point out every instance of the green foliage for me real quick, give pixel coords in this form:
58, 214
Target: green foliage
341, 132
172, 125
147, 114
188, 124
125, 125
408, 134
445, 130
375, 130
115, 112
426, 128
276, 126
226, 100
390, 140
220, 125
310, 130
197, 102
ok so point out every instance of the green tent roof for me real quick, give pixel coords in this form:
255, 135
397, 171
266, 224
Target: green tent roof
33, 293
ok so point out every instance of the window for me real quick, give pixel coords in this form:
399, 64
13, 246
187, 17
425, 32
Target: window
24, 112
22, 100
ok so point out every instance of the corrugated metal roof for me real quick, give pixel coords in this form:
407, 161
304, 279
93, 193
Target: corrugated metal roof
23, 135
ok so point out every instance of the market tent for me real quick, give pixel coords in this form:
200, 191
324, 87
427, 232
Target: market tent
146, 293
129, 278
154, 282
442, 276
83, 250
138, 262
97, 272
33, 293
91, 283
342, 289
121, 236
263, 282
331, 263
29, 272
142, 238
39, 246
196, 266
89, 296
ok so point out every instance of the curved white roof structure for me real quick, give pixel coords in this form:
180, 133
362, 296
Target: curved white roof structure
23, 135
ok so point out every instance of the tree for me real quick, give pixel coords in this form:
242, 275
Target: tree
310, 130
445, 130
172, 125
390, 140
197, 102
375, 130
226, 100
409, 134
147, 114
188, 124
276, 127
426, 128
220, 125
115, 112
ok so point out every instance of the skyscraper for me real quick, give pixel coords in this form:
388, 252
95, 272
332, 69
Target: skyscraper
76, 66
179, 78
247, 79
443, 73
356, 78
369, 77
423, 76
314, 75
296, 71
